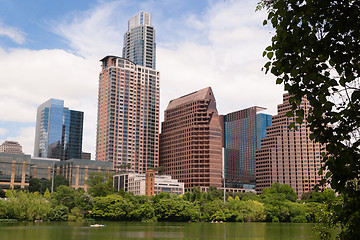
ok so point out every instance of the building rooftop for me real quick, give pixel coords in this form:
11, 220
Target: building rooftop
205, 93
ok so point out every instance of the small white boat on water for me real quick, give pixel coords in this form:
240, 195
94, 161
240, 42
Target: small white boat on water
97, 225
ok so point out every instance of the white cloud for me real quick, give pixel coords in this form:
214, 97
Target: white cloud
25, 138
13, 33
96, 32
31, 77
3, 131
220, 47
230, 61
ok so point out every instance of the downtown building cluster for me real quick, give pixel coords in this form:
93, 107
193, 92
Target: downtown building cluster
245, 150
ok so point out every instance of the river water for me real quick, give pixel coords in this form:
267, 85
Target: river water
136, 230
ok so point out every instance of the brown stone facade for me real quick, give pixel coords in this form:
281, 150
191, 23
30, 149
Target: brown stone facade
190, 140
288, 156
150, 182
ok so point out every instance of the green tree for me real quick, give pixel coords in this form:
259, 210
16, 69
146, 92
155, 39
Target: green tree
39, 185
325, 196
58, 213
76, 215
215, 193
246, 211
26, 206
100, 185
47, 194
2, 193
144, 212
279, 192
60, 180
112, 207
315, 53
64, 195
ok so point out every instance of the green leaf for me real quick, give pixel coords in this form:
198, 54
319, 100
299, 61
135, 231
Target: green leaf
299, 120
279, 81
300, 113
289, 114
270, 55
311, 136
264, 22
355, 96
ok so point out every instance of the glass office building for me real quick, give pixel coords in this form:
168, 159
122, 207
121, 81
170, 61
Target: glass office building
262, 122
58, 132
242, 133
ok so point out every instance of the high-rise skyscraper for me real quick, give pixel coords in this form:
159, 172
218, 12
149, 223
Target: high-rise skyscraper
58, 132
129, 102
242, 133
128, 115
139, 41
288, 156
190, 140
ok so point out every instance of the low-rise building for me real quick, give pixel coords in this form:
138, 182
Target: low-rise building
16, 170
136, 183
77, 171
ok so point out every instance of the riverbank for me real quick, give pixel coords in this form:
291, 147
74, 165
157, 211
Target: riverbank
276, 204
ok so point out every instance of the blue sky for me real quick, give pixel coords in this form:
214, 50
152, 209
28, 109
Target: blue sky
51, 49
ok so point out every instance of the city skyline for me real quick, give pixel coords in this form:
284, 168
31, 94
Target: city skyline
212, 43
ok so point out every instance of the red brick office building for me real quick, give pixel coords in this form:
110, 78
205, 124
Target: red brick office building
190, 140
286, 155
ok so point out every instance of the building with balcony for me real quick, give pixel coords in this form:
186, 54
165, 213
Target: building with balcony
128, 115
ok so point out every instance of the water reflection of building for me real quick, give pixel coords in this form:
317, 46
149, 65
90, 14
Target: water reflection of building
147, 184
58, 132
16, 170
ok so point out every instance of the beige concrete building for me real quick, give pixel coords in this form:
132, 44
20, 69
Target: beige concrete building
11, 147
16, 170
140, 184
288, 156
